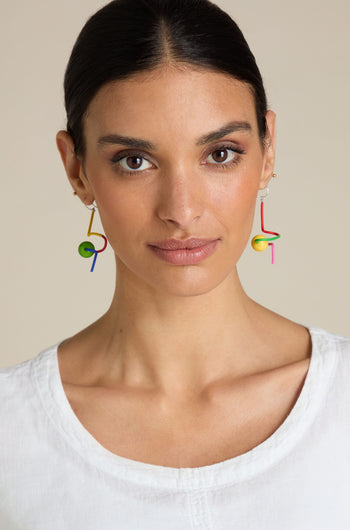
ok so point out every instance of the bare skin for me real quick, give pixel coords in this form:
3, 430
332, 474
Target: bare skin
184, 369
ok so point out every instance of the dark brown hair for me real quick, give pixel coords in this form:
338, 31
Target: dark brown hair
130, 36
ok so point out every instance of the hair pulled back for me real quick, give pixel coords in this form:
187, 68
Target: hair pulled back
129, 36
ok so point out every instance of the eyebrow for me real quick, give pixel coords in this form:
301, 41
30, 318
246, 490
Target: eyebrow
138, 143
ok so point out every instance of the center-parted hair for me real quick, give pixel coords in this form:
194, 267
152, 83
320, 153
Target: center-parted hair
130, 36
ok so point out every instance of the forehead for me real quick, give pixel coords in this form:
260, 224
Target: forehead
170, 101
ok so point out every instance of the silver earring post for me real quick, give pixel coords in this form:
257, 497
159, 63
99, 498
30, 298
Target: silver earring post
262, 194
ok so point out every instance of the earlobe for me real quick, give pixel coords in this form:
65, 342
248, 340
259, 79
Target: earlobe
73, 167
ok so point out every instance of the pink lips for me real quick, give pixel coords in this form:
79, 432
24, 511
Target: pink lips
184, 252
175, 244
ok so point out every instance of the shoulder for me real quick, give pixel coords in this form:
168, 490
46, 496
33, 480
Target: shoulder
330, 342
23, 417
330, 380
333, 356
18, 382
13, 377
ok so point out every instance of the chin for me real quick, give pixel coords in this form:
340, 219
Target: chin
190, 283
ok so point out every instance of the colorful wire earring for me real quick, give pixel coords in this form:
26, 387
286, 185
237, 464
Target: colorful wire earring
261, 242
87, 249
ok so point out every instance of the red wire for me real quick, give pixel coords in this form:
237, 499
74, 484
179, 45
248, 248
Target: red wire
262, 221
104, 246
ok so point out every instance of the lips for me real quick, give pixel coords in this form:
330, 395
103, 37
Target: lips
176, 244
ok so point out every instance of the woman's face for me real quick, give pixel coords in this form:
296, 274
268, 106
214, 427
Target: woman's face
189, 165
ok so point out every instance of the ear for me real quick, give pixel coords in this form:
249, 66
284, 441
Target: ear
74, 167
270, 145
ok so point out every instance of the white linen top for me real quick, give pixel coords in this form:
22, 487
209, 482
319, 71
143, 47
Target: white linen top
55, 476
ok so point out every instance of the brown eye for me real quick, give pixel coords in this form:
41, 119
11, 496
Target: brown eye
134, 162
222, 156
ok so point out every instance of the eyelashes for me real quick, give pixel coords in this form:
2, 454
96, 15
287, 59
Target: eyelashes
121, 163
134, 156
237, 152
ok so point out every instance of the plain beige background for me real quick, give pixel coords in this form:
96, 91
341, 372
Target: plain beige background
47, 291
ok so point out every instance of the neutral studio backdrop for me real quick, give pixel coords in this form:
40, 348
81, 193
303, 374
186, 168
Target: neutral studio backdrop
47, 291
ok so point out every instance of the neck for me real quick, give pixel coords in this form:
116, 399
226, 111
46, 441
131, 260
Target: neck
178, 344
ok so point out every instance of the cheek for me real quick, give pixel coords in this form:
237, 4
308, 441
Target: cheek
125, 213
119, 217
235, 205
238, 216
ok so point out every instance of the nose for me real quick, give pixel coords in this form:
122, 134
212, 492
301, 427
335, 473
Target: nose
180, 199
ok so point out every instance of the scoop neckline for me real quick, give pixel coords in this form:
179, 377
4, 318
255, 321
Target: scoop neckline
239, 468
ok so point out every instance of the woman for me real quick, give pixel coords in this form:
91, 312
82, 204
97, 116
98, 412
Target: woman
187, 405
